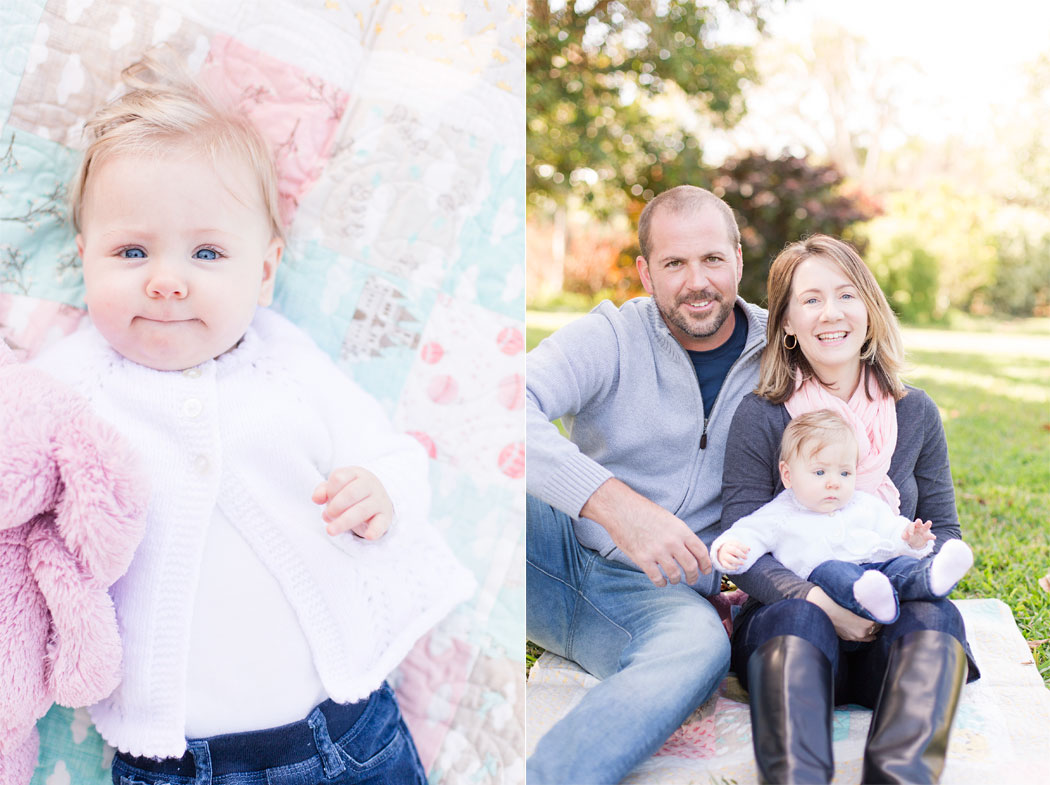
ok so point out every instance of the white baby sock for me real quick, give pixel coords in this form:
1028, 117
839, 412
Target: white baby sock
949, 565
874, 592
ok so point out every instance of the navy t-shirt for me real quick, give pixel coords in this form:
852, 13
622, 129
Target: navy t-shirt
712, 366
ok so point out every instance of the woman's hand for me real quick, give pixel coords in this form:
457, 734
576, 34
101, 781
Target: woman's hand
848, 625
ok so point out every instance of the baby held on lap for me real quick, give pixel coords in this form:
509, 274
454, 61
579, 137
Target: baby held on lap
848, 542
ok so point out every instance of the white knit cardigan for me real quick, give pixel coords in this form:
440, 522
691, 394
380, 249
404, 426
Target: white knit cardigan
252, 433
865, 530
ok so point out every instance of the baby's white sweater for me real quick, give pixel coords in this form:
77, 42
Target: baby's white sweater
251, 434
865, 530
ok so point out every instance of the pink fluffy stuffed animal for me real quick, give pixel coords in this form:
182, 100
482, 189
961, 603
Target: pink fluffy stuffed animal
72, 509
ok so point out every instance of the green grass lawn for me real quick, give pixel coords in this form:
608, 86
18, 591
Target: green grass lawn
992, 385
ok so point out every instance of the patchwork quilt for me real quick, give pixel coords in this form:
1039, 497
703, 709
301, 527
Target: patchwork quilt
1001, 729
398, 127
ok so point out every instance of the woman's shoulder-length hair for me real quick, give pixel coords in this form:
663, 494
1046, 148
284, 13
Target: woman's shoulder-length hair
882, 353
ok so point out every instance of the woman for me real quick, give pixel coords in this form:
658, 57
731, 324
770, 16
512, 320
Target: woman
833, 342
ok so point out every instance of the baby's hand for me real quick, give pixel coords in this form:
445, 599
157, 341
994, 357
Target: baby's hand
354, 501
731, 554
917, 534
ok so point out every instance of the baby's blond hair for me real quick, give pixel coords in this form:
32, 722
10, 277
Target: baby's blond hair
165, 108
810, 432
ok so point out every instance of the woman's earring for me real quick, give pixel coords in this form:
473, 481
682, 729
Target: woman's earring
795, 344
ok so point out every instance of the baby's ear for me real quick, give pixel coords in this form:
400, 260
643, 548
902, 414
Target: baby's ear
271, 261
785, 474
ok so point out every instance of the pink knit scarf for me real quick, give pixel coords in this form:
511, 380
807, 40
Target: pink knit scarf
874, 422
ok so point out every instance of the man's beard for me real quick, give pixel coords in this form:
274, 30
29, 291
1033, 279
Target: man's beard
704, 328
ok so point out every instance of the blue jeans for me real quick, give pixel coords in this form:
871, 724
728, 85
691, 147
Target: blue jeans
363, 743
909, 577
858, 667
659, 651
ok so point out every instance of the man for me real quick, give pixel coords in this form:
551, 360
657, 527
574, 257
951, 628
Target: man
620, 515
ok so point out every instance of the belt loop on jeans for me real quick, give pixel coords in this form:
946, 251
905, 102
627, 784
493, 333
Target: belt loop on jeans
333, 764
202, 761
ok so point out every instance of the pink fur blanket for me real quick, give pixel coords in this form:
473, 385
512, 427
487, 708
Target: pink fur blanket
72, 510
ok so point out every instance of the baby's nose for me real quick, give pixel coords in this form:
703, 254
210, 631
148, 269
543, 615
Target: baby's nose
165, 283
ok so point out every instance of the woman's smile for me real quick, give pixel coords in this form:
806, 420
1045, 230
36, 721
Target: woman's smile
828, 319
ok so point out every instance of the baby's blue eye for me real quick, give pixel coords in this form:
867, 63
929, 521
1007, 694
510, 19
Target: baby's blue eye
133, 253
819, 472
207, 254
845, 474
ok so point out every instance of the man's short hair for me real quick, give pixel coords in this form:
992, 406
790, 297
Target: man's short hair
681, 199
813, 431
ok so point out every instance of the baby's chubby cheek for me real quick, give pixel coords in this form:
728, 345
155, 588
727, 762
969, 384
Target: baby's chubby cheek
105, 310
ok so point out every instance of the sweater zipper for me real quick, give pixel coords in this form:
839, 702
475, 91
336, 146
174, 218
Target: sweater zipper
703, 435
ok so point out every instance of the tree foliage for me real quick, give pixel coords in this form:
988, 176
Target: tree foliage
593, 70
943, 227
780, 200
776, 201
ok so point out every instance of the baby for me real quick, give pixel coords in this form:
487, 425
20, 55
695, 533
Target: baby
288, 563
848, 542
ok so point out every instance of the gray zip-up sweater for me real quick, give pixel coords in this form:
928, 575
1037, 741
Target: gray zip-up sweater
627, 394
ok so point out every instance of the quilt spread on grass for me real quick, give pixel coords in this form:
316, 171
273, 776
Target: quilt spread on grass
398, 128
1000, 731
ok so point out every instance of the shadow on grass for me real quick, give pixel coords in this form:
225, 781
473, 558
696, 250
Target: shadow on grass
1005, 369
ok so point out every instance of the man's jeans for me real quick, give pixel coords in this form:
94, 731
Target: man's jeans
659, 651
909, 577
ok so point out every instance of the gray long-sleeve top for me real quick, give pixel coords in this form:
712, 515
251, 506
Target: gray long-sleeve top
627, 394
919, 469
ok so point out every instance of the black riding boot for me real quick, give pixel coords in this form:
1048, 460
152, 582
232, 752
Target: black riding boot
913, 716
791, 687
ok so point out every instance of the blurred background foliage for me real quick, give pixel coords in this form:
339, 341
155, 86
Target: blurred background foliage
627, 98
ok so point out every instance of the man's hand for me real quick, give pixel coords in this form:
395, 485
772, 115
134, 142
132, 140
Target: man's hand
917, 534
652, 538
354, 501
731, 554
848, 625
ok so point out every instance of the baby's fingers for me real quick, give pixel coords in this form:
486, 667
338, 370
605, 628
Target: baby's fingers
320, 494
367, 518
374, 528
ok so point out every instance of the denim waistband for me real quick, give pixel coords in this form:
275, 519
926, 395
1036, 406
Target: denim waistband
263, 749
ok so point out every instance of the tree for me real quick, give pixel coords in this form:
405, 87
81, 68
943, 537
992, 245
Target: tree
1033, 155
776, 201
836, 96
934, 249
593, 72
780, 200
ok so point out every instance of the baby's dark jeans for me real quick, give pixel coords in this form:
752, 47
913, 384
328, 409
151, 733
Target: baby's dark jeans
364, 743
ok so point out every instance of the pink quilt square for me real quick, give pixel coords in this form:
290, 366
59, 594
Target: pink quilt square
296, 112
